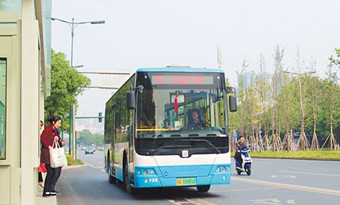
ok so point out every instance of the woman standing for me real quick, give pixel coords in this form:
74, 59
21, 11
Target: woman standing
49, 134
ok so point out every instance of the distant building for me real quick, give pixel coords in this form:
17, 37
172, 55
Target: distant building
248, 78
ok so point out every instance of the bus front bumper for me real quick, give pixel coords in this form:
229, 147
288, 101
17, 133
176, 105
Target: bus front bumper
151, 177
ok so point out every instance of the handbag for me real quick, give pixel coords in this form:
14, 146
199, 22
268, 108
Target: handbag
57, 155
42, 168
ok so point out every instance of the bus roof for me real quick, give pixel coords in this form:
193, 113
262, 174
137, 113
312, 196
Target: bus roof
181, 69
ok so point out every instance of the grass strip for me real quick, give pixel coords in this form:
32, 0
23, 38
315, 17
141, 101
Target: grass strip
300, 154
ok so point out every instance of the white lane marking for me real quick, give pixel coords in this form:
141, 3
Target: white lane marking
290, 201
289, 186
271, 201
266, 201
311, 173
202, 201
182, 201
283, 176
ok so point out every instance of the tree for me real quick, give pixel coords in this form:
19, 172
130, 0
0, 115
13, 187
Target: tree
262, 89
66, 84
277, 80
331, 100
1, 5
313, 105
336, 60
241, 94
333, 104
287, 110
87, 138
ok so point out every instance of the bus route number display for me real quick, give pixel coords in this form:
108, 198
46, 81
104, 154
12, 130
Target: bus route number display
182, 80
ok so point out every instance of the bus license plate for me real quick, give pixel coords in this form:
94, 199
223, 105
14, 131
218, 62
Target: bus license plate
186, 181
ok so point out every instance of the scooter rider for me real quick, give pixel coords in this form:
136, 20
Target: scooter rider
239, 146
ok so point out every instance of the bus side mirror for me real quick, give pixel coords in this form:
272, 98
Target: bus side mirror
232, 103
131, 100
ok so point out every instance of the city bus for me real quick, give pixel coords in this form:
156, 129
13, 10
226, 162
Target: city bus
168, 127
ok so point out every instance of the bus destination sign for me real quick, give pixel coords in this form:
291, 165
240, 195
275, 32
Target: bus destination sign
182, 80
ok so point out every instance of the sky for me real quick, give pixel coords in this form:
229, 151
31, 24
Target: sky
157, 33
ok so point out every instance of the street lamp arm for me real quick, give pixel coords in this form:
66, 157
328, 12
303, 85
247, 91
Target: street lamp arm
56, 19
90, 22
81, 22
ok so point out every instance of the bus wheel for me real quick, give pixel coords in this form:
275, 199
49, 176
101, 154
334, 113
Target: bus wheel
128, 188
204, 188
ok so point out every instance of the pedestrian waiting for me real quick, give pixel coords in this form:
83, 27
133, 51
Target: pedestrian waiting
49, 135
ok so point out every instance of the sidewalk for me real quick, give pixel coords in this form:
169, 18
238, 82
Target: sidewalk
40, 200
50, 200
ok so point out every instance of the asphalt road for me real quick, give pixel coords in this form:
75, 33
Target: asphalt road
272, 182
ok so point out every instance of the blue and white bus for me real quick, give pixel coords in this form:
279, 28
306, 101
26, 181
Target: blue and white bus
168, 127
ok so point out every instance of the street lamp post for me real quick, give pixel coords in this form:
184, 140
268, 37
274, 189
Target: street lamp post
73, 25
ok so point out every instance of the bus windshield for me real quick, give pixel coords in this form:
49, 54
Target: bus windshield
181, 111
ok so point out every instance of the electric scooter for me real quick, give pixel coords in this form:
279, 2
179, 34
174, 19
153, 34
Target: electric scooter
246, 162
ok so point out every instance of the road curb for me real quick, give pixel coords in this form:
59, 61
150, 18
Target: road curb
73, 166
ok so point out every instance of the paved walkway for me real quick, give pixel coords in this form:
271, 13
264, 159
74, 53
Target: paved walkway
51, 200
40, 200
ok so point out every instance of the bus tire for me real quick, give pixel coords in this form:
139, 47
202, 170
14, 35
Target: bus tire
203, 188
129, 189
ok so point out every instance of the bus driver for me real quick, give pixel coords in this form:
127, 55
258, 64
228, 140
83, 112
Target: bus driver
195, 120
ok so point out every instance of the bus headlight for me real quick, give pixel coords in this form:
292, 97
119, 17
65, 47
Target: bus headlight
151, 172
139, 172
145, 172
218, 169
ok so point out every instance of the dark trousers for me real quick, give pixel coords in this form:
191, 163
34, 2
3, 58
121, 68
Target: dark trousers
238, 157
57, 172
40, 179
49, 178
